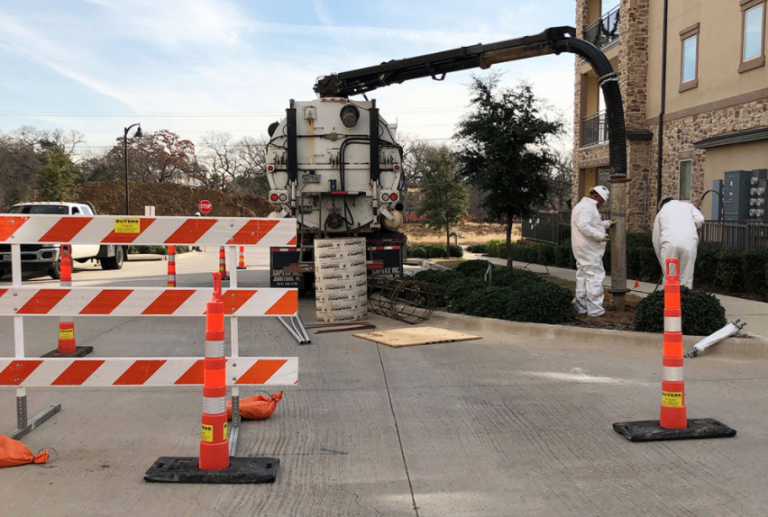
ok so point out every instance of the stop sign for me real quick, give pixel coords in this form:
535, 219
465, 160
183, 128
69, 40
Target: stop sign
205, 206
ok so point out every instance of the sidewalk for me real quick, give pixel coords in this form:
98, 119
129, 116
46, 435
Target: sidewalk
754, 313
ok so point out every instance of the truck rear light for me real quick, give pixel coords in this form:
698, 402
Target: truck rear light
393, 197
273, 197
397, 167
270, 168
283, 197
385, 197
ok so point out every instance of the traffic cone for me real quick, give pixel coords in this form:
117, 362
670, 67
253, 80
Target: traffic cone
67, 343
171, 266
67, 346
241, 261
673, 423
214, 446
223, 264
214, 465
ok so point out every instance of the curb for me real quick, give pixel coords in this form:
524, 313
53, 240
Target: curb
737, 348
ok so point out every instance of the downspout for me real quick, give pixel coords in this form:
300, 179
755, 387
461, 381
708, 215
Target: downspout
660, 133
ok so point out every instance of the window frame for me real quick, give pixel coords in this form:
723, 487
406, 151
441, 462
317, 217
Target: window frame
680, 179
686, 34
759, 61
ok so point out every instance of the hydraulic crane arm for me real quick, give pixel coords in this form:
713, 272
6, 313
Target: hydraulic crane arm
551, 41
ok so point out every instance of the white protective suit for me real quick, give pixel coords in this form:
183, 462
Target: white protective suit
588, 241
675, 235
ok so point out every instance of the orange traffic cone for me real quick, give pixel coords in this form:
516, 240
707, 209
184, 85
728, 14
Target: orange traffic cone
214, 446
673, 423
67, 345
241, 261
171, 266
223, 264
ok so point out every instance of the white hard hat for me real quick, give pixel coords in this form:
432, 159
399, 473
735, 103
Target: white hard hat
603, 192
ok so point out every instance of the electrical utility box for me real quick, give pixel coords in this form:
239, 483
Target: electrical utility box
758, 197
717, 200
736, 195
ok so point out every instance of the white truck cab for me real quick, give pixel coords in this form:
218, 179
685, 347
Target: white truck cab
39, 257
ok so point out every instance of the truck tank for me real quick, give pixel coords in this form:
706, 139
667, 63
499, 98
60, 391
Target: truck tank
336, 191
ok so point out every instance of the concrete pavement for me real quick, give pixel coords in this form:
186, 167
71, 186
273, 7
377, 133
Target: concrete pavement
507, 425
753, 312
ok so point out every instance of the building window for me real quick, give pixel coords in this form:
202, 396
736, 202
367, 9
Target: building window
690, 56
686, 179
753, 34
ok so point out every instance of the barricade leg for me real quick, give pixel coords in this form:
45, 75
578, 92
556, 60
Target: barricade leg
673, 423
214, 464
67, 342
171, 266
23, 425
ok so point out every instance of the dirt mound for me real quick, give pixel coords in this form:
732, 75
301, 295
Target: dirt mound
168, 199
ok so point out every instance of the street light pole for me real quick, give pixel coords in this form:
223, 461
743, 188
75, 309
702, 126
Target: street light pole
125, 158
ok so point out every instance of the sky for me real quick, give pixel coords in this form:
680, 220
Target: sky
193, 66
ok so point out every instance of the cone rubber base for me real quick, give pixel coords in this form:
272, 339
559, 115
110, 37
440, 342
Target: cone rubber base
243, 267
650, 431
80, 351
240, 471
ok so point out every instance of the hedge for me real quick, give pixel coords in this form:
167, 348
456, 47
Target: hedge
476, 248
433, 250
702, 313
731, 271
156, 250
512, 294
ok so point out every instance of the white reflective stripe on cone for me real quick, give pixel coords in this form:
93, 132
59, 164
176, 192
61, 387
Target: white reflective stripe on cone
66, 319
214, 405
672, 373
214, 349
66, 284
673, 324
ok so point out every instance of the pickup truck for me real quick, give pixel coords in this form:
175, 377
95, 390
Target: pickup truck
45, 257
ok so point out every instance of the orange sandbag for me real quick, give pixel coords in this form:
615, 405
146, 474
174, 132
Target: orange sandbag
13, 453
257, 407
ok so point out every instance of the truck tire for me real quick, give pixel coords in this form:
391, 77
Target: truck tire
55, 271
115, 262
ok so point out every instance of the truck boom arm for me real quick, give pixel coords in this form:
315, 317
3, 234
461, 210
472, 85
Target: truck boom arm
552, 41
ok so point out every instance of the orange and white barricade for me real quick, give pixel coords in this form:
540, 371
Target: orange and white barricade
215, 373
673, 423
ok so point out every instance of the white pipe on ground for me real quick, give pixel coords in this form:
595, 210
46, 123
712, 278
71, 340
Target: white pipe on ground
729, 330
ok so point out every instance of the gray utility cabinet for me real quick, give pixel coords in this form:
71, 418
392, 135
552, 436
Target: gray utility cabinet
745, 195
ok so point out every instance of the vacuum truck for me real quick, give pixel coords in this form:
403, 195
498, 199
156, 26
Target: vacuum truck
335, 166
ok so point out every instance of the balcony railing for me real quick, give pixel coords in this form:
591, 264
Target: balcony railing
604, 32
594, 129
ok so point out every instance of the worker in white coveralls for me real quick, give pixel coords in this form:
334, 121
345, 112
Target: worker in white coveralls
676, 235
588, 238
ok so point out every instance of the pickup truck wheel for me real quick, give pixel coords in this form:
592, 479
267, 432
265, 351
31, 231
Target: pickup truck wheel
115, 262
55, 271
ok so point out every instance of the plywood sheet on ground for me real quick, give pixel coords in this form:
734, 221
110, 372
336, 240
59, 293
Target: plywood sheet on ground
413, 336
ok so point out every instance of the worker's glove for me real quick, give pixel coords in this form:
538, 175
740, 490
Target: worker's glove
606, 238
611, 223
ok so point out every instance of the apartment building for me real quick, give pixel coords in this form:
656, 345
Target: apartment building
707, 91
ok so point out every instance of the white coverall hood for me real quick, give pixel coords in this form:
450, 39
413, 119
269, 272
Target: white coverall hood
676, 235
588, 242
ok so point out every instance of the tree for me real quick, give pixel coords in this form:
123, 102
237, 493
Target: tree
444, 196
504, 150
57, 176
160, 157
19, 165
253, 153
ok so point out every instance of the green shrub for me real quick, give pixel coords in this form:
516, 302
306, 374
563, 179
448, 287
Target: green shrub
477, 248
457, 292
707, 262
730, 271
753, 265
156, 250
543, 303
639, 240
493, 247
473, 268
702, 313
439, 281
650, 268
515, 279
545, 254
433, 251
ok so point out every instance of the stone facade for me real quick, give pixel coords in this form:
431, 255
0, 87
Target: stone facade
680, 134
